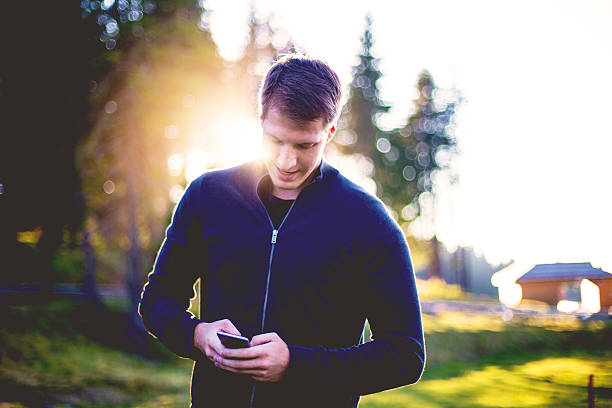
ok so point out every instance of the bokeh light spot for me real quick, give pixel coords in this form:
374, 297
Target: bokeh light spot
106, 4
110, 107
112, 28
393, 154
346, 137
423, 159
383, 145
172, 131
108, 187
410, 211
409, 173
176, 162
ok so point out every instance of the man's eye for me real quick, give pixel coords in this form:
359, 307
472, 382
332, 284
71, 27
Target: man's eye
306, 145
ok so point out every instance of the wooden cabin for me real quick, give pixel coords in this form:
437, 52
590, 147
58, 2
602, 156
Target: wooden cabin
552, 283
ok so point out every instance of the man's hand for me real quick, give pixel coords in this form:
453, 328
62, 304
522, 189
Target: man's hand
205, 337
266, 360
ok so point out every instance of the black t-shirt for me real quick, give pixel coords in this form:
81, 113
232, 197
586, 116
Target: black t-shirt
277, 208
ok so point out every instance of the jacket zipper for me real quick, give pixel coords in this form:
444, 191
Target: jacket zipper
265, 305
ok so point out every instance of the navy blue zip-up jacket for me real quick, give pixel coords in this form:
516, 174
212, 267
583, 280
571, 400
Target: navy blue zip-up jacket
337, 259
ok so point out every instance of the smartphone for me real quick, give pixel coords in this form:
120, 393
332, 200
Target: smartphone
232, 340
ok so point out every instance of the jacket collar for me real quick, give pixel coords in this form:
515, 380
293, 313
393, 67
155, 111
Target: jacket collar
325, 173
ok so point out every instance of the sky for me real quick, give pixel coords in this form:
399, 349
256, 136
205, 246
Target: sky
534, 131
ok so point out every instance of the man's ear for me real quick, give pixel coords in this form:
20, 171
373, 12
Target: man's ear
331, 133
261, 119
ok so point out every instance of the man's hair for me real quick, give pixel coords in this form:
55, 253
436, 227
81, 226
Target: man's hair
302, 88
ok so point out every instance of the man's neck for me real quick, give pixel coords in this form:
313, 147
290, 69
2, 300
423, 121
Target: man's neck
285, 194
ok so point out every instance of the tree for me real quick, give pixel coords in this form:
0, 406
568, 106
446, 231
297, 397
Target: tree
163, 92
418, 151
404, 162
424, 148
264, 44
52, 58
43, 89
358, 132
257, 56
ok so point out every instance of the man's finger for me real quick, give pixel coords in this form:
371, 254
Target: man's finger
264, 338
237, 364
228, 327
242, 353
252, 373
217, 347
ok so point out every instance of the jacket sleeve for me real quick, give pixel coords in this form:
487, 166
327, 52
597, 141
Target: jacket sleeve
396, 356
166, 296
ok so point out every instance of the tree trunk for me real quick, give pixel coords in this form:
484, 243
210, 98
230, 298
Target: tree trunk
92, 297
134, 281
434, 267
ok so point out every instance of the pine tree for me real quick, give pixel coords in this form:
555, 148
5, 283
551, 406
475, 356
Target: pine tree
404, 160
257, 57
259, 53
358, 132
415, 152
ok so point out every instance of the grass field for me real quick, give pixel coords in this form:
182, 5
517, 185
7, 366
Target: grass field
473, 361
543, 381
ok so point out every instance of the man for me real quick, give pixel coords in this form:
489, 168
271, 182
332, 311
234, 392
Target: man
293, 256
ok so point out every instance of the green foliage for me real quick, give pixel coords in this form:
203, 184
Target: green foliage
77, 371
438, 289
46, 358
69, 264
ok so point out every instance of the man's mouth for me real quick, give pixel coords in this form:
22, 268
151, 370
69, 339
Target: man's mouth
286, 175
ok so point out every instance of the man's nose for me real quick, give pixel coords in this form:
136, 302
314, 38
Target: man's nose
287, 158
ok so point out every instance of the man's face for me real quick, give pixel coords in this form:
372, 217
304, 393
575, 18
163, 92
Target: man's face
292, 153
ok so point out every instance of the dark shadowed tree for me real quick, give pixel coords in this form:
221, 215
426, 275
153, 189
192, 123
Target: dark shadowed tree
45, 76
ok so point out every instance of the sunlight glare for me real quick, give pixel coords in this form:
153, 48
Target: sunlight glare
176, 192
568, 306
196, 164
589, 294
510, 294
237, 140
231, 37
357, 168
175, 164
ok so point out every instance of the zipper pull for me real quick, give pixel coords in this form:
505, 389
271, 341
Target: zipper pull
274, 234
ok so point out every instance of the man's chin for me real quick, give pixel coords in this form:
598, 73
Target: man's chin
283, 185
